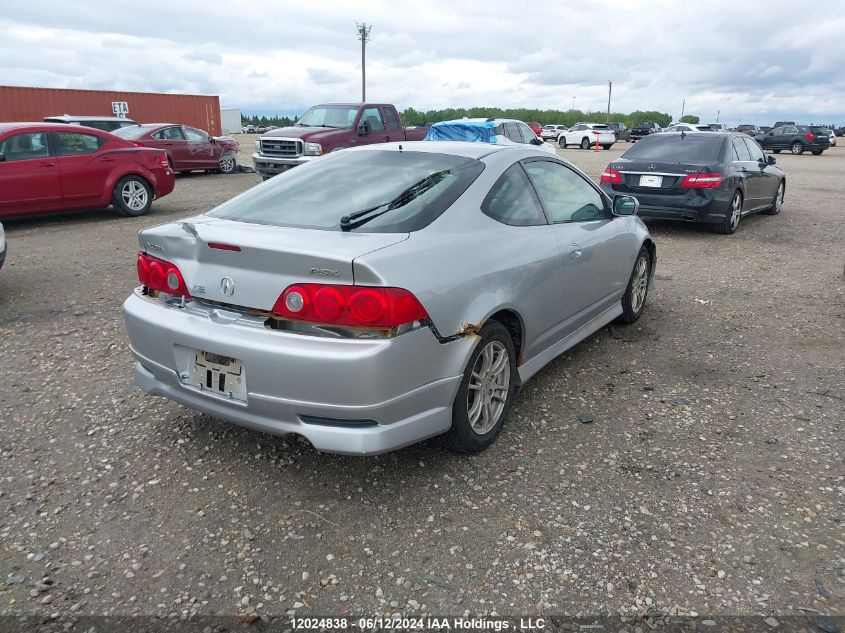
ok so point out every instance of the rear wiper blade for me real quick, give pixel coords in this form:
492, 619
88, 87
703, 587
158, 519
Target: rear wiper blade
358, 218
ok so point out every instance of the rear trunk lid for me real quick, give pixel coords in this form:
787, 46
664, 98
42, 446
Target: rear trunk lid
269, 259
643, 177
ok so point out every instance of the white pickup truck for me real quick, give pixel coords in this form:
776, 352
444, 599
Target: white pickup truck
584, 135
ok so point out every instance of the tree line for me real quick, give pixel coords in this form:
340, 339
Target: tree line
411, 116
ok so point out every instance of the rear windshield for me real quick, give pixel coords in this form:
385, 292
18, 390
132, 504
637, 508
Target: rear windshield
410, 188
677, 148
131, 131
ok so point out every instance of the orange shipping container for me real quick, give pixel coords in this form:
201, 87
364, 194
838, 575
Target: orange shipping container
33, 104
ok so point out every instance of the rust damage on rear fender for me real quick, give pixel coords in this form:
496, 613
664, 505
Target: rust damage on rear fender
466, 329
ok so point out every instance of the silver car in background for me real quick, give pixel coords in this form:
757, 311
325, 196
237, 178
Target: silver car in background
385, 294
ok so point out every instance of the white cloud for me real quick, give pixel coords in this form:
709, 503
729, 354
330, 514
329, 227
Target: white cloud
738, 60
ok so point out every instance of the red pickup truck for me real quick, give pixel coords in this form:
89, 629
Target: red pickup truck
326, 128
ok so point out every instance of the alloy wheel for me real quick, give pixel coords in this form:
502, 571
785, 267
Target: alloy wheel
488, 387
736, 211
134, 195
227, 164
639, 284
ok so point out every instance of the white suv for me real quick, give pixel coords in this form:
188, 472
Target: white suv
584, 136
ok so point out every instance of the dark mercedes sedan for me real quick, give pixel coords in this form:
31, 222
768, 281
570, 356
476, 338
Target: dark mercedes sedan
714, 179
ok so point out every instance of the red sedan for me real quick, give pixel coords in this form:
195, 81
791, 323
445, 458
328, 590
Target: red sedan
188, 148
56, 167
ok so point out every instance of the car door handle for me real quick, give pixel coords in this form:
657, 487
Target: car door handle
107, 159
47, 163
574, 251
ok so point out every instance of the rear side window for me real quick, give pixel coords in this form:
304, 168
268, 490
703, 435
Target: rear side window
170, 134
675, 148
392, 120
754, 149
403, 190
740, 150
75, 143
25, 146
512, 200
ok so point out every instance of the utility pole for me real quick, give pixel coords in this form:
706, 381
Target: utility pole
683, 105
609, 92
718, 112
573, 103
364, 36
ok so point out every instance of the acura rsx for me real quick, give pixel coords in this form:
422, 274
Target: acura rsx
385, 294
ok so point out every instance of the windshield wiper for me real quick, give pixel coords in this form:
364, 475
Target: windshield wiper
354, 220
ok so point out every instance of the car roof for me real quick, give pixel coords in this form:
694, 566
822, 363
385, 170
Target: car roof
72, 117
47, 126
467, 149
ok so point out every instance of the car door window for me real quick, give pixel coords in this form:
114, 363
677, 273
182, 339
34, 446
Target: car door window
75, 143
754, 150
512, 132
512, 200
392, 119
372, 117
170, 134
25, 146
194, 134
527, 133
790, 130
740, 150
566, 196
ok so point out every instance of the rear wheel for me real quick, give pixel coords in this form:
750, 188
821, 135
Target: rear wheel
607, 146
132, 196
730, 222
817, 152
633, 301
776, 151
797, 148
228, 163
486, 392
585, 143
777, 203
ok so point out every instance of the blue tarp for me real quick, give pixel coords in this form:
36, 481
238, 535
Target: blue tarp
460, 130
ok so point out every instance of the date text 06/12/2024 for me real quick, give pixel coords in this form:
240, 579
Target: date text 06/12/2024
429, 623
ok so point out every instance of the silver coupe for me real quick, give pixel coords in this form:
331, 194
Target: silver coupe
385, 294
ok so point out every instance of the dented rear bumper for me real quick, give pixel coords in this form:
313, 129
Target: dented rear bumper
353, 396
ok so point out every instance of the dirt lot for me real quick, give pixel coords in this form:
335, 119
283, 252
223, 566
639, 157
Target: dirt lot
711, 479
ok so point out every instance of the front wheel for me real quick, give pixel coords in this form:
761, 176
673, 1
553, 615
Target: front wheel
607, 146
562, 143
132, 196
228, 163
797, 148
585, 143
730, 222
775, 151
633, 301
486, 392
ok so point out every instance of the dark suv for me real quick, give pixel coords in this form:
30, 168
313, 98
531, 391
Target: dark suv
644, 129
621, 131
796, 138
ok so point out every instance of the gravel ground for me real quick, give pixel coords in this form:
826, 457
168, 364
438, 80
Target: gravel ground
710, 480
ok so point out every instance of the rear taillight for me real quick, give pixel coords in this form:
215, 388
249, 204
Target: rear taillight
361, 306
809, 136
611, 176
164, 160
702, 181
158, 274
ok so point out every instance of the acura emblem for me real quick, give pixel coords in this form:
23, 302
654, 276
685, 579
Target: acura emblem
227, 286
651, 166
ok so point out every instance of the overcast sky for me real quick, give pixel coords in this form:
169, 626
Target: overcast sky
756, 61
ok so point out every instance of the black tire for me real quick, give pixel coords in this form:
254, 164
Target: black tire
817, 152
729, 224
462, 437
775, 151
636, 294
607, 146
585, 143
797, 148
228, 163
562, 143
777, 202
132, 196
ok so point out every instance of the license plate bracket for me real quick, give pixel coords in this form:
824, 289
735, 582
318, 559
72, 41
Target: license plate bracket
217, 374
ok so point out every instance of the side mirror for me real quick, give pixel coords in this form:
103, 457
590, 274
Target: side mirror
770, 160
625, 205
536, 141
363, 128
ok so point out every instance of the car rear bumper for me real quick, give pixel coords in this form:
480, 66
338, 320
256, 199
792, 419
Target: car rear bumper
352, 396
270, 166
709, 206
